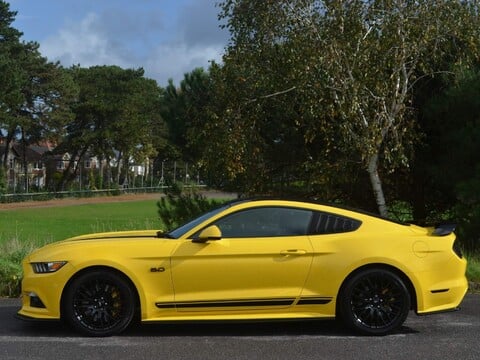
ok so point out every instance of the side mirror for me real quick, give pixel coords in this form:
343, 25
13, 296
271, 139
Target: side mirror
210, 233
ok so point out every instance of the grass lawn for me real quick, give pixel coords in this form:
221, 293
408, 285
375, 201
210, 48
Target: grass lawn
44, 225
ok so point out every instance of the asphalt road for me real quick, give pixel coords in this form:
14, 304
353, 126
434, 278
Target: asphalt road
445, 336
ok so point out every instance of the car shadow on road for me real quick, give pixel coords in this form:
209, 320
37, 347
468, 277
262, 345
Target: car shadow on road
327, 328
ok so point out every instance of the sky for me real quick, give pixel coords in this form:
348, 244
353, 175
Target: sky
167, 38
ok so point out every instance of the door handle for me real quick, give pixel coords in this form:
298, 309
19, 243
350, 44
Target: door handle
293, 252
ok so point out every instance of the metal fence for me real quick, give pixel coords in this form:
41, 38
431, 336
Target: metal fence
40, 196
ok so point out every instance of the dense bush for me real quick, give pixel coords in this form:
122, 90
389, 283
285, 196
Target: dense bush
180, 205
468, 214
3, 181
11, 254
446, 162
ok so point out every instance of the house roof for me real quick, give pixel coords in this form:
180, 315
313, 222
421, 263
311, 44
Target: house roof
27, 152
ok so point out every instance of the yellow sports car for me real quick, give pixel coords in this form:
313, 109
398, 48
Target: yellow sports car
249, 260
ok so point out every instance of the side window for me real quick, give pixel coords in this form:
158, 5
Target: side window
325, 223
265, 222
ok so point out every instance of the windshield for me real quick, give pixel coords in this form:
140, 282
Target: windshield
178, 232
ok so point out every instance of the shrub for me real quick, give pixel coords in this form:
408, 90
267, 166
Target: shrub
179, 206
3, 181
11, 254
468, 214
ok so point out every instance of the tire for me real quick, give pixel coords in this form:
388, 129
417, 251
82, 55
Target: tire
374, 302
99, 303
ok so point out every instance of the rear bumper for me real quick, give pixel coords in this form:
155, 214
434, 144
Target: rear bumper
443, 297
439, 311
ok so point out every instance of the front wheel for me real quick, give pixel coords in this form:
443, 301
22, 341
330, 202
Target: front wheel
374, 302
99, 303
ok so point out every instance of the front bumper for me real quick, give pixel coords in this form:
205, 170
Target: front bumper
42, 293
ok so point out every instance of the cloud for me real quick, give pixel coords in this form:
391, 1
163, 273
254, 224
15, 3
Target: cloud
174, 60
83, 43
165, 46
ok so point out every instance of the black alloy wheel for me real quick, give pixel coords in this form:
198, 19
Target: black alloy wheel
99, 303
374, 302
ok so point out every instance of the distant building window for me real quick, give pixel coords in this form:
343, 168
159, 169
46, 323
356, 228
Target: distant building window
60, 165
88, 164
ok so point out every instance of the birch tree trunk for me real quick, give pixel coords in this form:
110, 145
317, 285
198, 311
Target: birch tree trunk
377, 185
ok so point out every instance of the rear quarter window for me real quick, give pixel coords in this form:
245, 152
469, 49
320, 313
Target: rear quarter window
326, 223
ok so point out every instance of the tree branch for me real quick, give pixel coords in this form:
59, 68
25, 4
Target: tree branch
272, 95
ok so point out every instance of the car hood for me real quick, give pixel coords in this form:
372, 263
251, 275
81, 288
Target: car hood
56, 250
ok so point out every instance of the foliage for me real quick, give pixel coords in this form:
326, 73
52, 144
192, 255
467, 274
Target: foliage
12, 254
467, 212
450, 173
180, 106
10, 73
322, 83
115, 118
180, 205
35, 94
3, 181
473, 273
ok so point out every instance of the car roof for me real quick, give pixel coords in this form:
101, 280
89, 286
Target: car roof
313, 202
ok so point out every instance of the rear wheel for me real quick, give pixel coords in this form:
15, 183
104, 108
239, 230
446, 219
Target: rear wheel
374, 302
99, 303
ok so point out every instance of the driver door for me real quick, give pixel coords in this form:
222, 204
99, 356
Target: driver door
261, 261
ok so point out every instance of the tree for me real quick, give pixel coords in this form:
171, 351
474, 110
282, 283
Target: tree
375, 68
182, 108
10, 93
257, 133
48, 92
451, 180
354, 67
115, 114
35, 95
139, 129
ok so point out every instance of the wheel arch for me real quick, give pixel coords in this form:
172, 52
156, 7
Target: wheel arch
108, 269
406, 280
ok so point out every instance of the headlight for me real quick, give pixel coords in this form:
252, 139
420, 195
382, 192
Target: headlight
47, 267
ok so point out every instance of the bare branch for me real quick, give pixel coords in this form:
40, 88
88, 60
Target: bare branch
272, 95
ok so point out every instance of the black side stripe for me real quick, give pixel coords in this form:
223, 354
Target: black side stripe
244, 303
120, 237
228, 303
314, 301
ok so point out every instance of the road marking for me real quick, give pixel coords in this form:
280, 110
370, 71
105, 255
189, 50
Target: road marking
126, 341
81, 341
461, 324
